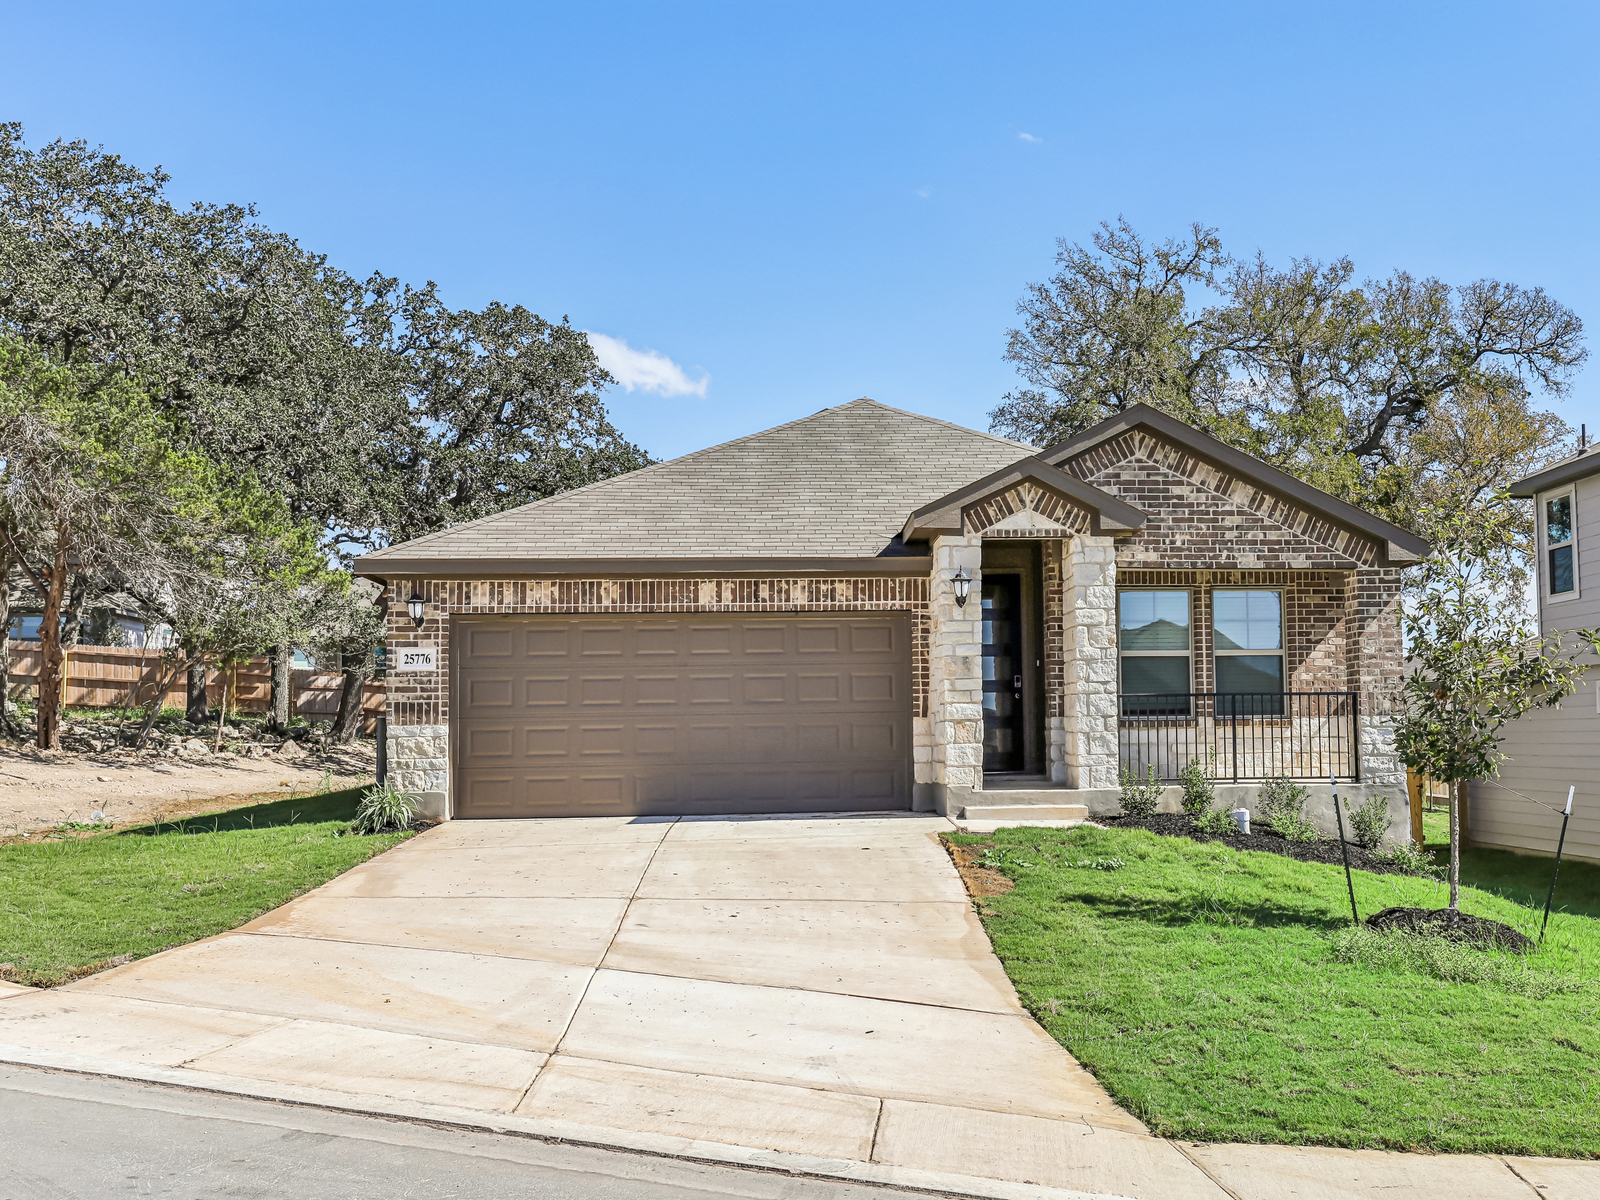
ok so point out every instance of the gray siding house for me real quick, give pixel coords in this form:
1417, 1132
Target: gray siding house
871, 609
1553, 749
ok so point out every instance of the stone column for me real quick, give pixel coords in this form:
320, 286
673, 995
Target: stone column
955, 674
1088, 755
1376, 663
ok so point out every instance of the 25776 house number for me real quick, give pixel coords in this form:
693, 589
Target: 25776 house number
416, 660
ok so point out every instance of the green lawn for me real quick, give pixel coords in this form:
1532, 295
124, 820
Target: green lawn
1524, 878
1222, 996
68, 906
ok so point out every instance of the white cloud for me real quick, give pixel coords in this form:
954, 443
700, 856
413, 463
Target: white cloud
1028, 137
924, 192
644, 370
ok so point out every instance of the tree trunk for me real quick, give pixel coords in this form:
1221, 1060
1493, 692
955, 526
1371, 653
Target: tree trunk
199, 709
165, 677
1457, 787
47, 711
72, 614
282, 660
5, 641
222, 710
347, 722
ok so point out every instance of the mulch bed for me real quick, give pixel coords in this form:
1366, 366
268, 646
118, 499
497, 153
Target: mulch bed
1459, 927
1323, 850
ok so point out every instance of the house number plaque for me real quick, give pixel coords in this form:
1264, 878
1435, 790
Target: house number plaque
417, 660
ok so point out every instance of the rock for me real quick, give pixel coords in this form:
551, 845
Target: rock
291, 751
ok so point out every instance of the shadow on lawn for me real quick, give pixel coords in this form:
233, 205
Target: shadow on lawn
1525, 878
1220, 911
314, 809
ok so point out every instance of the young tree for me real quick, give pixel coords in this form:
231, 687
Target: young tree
1476, 661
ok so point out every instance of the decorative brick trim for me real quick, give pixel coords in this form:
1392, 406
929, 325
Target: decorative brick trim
1196, 508
1025, 511
425, 699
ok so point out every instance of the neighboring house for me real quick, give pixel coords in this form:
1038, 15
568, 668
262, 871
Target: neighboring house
1553, 749
108, 625
775, 624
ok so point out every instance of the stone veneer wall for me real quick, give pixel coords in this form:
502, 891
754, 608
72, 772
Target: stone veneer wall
418, 705
955, 674
1087, 753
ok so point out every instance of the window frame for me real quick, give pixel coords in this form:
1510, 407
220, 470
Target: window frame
1188, 654
1542, 519
1282, 652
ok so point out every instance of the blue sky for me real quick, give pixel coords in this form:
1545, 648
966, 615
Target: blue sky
796, 205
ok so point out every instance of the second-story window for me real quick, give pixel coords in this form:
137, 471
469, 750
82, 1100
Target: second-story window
1558, 544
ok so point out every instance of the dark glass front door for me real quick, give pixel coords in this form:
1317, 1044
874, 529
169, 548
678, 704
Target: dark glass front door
1002, 673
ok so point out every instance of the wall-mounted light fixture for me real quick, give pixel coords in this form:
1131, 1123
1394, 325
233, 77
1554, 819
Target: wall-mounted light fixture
963, 583
418, 608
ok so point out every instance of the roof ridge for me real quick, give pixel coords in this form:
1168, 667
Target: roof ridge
600, 483
906, 412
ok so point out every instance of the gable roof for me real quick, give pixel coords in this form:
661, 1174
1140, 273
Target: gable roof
829, 487
1401, 546
1580, 466
1109, 514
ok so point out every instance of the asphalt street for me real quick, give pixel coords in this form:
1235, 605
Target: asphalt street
73, 1137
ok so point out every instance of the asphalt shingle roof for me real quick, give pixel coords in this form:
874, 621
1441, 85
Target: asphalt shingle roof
838, 484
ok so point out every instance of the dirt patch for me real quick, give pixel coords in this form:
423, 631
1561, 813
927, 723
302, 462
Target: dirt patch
44, 790
1323, 850
980, 880
1458, 927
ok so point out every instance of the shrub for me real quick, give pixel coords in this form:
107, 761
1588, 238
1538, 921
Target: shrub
1370, 822
1409, 856
383, 809
1140, 795
1199, 789
1217, 823
1295, 826
1281, 796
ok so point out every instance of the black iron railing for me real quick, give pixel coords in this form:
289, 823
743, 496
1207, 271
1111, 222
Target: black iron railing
1241, 736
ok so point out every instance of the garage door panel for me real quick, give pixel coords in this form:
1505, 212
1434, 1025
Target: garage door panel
601, 691
546, 641
796, 714
541, 691
490, 691
491, 742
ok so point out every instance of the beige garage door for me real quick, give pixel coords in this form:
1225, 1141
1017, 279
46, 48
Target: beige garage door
603, 716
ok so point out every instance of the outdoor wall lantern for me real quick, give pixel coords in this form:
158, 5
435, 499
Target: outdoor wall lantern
963, 583
418, 609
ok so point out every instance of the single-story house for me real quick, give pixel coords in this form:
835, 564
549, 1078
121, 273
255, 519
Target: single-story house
1553, 749
871, 609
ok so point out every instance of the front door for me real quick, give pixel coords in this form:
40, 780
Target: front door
1002, 673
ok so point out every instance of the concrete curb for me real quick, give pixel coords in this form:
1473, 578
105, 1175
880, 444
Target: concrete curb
567, 1132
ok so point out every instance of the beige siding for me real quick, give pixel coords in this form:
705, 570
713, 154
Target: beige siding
1583, 611
1550, 750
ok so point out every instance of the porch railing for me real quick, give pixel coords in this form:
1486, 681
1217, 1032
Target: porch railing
1241, 736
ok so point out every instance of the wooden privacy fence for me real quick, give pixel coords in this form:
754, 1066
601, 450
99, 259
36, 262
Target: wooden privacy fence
114, 676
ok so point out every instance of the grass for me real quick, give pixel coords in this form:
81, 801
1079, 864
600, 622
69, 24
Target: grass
1524, 878
1222, 995
76, 905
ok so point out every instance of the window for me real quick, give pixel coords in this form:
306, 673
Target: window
1560, 578
1153, 635
1247, 643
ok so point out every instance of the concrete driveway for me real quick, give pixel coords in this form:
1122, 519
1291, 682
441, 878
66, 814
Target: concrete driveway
812, 994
